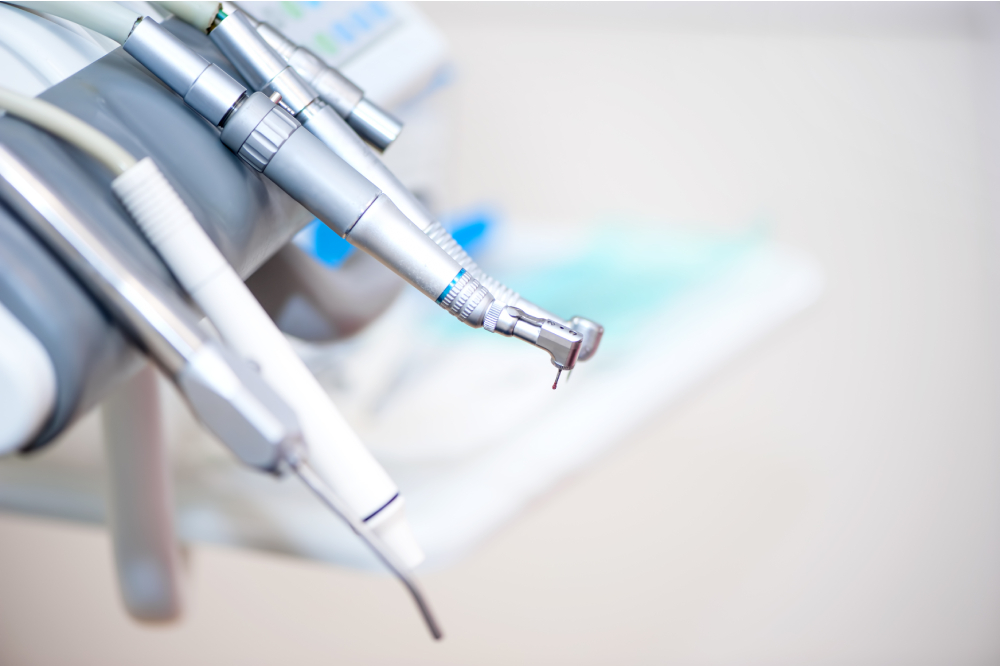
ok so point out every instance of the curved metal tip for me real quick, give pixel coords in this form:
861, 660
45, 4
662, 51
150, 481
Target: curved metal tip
384, 553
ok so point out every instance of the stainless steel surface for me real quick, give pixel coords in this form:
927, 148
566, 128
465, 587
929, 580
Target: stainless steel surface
165, 56
296, 95
562, 343
374, 124
267, 138
319, 180
334, 131
368, 536
590, 330
466, 299
245, 117
222, 390
335, 89
257, 62
214, 94
270, 140
592, 333
386, 234
206, 88
156, 319
234, 402
263, 68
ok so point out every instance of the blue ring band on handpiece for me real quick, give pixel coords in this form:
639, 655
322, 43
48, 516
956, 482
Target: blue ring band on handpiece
450, 285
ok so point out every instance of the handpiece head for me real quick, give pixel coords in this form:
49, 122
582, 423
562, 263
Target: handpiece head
592, 333
562, 343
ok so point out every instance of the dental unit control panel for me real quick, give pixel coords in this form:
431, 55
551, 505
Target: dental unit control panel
139, 189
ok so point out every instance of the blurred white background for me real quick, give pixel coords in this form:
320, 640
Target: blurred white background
834, 496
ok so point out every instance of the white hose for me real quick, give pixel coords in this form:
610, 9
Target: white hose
66, 126
196, 12
335, 450
108, 18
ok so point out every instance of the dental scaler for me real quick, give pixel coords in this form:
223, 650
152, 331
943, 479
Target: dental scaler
224, 391
267, 71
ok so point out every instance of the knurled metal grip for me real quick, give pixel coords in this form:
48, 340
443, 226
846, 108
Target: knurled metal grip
267, 138
493, 316
505, 296
462, 297
257, 129
501, 293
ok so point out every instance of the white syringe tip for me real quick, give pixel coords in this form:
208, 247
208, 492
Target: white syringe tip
394, 530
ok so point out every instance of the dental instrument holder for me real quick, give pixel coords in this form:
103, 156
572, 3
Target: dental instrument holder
223, 390
89, 355
272, 141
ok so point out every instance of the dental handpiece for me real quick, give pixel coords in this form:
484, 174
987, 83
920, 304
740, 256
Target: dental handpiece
375, 125
328, 83
223, 391
271, 141
274, 143
266, 70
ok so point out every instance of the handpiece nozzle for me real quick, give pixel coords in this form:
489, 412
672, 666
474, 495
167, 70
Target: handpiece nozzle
592, 333
562, 343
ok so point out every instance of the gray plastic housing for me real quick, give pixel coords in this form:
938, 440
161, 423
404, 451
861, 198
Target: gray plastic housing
246, 215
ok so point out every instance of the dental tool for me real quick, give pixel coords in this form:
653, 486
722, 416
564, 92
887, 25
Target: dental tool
336, 451
266, 70
371, 122
271, 141
222, 390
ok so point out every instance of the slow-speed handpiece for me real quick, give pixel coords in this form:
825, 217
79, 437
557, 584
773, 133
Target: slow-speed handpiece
271, 141
268, 72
